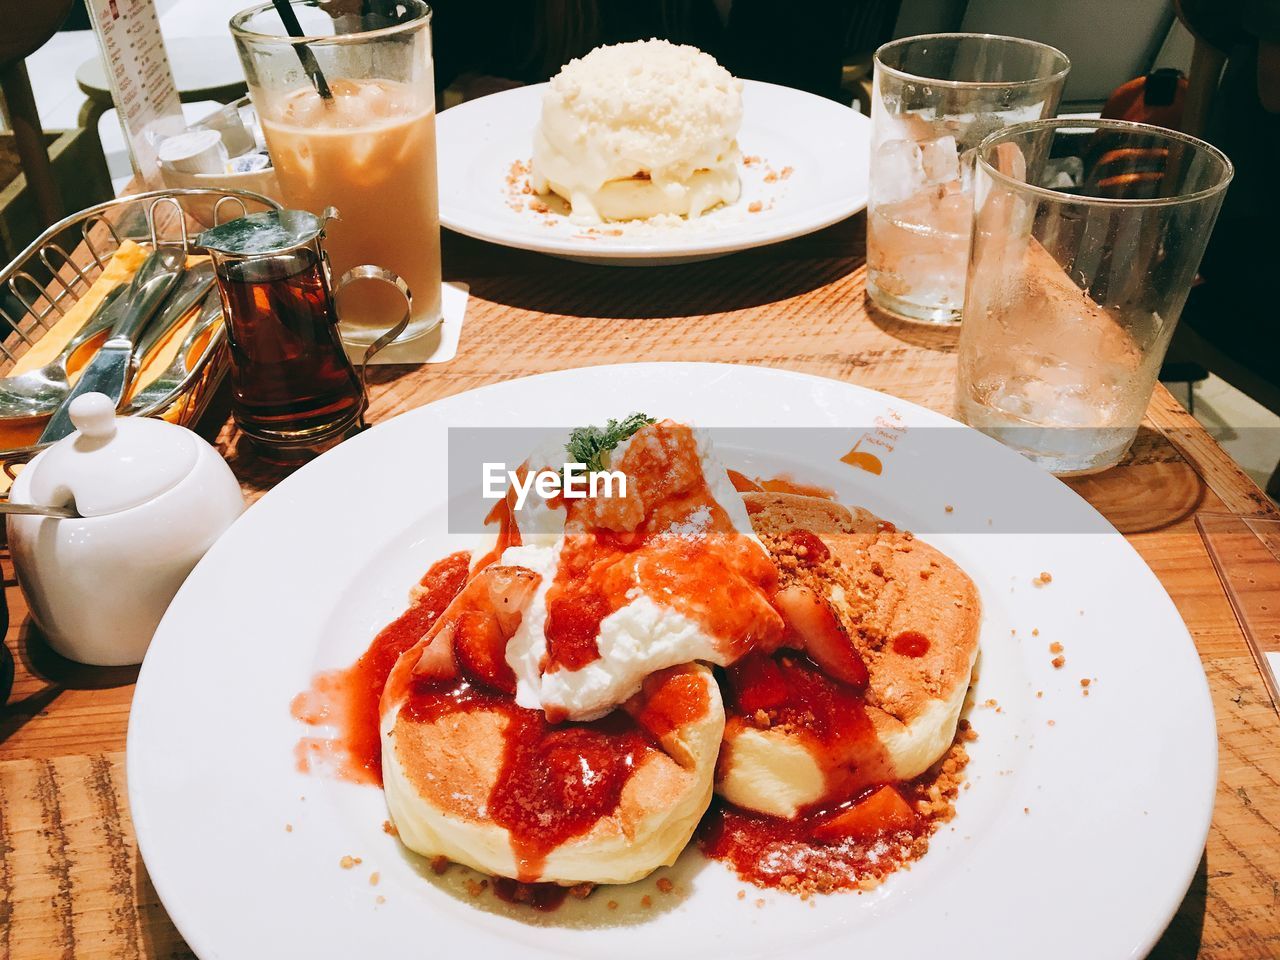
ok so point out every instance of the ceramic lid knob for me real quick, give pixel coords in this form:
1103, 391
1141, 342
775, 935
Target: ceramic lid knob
111, 464
94, 415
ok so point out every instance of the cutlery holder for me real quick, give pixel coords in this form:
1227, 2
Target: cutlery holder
58, 268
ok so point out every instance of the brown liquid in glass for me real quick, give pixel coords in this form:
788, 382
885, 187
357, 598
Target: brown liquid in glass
290, 377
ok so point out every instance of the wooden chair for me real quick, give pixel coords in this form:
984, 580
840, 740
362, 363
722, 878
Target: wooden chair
1192, 355
24, 28
1213, 38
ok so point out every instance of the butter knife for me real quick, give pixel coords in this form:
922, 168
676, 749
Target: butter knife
187, 291
115, 363
164, 388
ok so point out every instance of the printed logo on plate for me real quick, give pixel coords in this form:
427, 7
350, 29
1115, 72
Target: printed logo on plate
871, 448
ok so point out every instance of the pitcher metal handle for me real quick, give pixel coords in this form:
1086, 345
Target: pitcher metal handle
368, 271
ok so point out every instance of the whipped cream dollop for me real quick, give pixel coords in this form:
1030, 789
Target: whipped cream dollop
642, 636
640, 129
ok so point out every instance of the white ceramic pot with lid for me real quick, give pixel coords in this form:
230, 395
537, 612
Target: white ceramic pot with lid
152, 499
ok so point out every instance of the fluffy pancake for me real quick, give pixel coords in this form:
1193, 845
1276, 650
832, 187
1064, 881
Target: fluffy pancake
913, 616
459, 783
641, 197
639, 129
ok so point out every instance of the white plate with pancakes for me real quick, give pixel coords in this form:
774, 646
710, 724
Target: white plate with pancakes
804, 166
1084, 815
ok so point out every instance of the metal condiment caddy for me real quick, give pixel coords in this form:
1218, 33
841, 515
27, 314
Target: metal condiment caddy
58, 268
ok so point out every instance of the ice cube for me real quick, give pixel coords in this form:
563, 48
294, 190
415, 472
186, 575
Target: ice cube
968, 162
899, 124
940, 160
373, 101
1062, 173
897, 170
979, 126
362, 152
303, 109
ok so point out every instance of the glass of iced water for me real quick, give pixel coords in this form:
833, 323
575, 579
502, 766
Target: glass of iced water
1087, 236
934, 99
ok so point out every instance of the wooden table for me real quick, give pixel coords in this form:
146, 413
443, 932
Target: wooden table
71, 881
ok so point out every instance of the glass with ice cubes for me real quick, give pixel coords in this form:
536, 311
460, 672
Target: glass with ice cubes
348, 112
934, 99
1087, 236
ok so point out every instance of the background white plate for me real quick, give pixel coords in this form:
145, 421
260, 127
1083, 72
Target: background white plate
826, 144
1119, 789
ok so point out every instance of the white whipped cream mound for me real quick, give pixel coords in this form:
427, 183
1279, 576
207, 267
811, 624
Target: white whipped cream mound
637, 639
640, 129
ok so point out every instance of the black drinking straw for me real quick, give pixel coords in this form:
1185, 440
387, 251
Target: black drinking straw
308, 59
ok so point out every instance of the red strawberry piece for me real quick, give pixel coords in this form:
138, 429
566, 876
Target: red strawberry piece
481, 651
821, 634
436, 661
758, 683
884, 811
815, 551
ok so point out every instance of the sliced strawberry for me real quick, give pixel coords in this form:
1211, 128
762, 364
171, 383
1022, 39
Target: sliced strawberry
671, 699
814, 550
481, 651
884, 811
821, 634
509, 591
758, 683
436, 661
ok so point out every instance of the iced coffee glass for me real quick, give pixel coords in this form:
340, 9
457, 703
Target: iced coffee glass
1087, 237
359, 137
934, 99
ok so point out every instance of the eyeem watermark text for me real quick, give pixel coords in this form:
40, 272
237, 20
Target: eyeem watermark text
573, 482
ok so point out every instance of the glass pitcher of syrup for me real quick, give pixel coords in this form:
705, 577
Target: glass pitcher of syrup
294, 390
